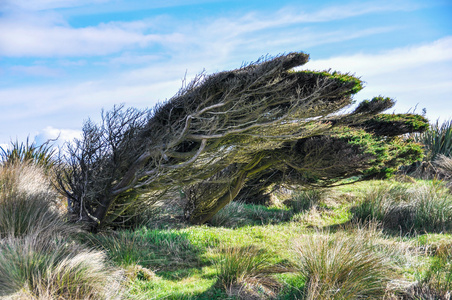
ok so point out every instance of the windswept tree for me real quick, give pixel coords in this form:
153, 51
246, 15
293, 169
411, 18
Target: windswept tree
240, 130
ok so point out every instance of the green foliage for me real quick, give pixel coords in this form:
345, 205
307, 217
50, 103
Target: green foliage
341, 267
376, 105
353, 83
43, 155
386, 155
436, 140
395, 124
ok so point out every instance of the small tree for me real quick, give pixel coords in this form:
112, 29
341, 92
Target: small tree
251, 127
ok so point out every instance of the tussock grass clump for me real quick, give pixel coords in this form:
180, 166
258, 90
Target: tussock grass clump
407, 208
27, 203
247, 272
51, 268
341, 267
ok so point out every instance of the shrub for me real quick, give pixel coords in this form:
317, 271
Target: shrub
437, 140
19, 153
247, 271
341, 267
51, 268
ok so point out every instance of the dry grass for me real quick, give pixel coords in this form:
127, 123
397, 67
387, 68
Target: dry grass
38, 258
28, 205
52, 268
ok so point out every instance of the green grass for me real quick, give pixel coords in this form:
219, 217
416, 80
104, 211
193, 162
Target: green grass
425, 207
250, 250
248, 271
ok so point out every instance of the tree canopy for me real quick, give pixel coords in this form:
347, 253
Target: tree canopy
233, 134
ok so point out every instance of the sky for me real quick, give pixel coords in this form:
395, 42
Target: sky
64, 61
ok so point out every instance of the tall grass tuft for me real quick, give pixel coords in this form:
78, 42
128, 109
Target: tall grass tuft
340, 267
27, 204
46, 267
247, 272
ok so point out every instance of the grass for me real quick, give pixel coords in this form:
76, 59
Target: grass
27, 204
39, 259
341, 267
289, 251
46, 267
247, 272
148, 248
238, 214
407, 208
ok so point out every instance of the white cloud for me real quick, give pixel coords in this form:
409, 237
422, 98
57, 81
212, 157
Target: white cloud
37, 71
48, 34
416, 76
390, 61
18, 40
60, 136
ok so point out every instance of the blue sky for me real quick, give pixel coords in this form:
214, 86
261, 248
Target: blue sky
63, 61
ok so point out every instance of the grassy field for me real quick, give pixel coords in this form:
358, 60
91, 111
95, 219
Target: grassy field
255, 252
370, 240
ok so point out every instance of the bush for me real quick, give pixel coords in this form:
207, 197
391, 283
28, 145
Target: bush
437, 142
46, 267
20, 153
341, 267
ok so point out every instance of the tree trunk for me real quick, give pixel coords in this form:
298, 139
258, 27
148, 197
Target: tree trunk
222, 201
